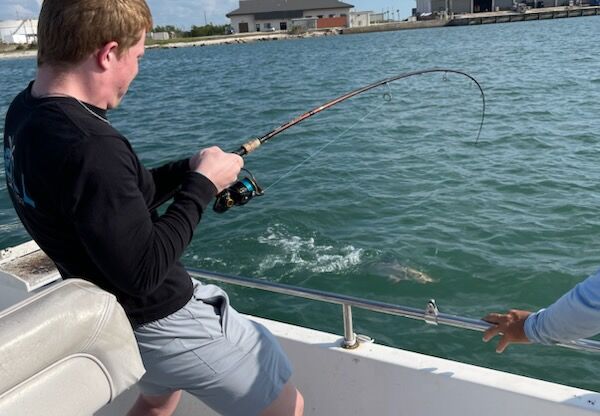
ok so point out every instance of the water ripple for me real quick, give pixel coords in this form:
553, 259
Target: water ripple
511, 221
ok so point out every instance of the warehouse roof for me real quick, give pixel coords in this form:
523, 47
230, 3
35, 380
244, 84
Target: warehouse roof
266, 6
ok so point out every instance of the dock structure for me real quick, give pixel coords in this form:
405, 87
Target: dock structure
531, 14
481, 18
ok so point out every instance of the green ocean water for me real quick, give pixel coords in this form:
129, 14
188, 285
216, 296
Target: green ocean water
510, 221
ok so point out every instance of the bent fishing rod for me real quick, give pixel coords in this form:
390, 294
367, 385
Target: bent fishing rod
244, 190
253, 144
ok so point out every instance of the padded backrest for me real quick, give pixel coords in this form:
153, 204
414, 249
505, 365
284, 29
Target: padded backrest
67, 350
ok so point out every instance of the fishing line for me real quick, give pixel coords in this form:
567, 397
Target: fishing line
387, 97
255, 143
243, 191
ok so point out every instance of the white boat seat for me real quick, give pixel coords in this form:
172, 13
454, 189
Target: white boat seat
67, 350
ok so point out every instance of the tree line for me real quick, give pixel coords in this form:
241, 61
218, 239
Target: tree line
195, 31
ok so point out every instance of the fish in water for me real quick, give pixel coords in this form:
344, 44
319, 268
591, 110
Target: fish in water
397, 272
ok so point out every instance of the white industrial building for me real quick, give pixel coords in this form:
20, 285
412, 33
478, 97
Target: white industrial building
18, 31
475, 6
270, 15
360, 19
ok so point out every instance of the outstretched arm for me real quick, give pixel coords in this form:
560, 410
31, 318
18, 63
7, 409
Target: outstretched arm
575, 315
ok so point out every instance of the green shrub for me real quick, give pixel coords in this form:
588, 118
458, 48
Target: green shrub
208, 30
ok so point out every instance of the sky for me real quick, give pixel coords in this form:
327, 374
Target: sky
185, 13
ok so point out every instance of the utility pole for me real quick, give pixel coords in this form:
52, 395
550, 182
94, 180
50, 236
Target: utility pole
205, 21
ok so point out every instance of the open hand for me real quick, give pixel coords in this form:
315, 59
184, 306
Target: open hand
510, 326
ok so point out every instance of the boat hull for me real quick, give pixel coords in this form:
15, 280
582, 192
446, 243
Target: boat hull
378, 380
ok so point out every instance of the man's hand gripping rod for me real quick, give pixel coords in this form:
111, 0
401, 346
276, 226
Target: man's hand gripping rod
241, 192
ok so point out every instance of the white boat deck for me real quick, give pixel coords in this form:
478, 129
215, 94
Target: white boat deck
383, 381
369, 380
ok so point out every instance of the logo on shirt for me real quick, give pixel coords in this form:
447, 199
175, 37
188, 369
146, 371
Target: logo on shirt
20, 193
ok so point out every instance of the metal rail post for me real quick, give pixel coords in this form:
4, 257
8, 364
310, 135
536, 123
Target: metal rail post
350, 341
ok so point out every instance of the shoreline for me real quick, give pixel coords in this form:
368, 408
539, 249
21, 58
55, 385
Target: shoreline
240, 39
18, 54
456, 20
208, 41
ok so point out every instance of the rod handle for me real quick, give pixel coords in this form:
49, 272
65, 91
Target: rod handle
248, 147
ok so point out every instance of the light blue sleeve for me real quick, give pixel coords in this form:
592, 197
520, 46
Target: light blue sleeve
575, 315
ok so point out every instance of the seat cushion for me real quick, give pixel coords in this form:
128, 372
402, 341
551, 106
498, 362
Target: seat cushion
68, 346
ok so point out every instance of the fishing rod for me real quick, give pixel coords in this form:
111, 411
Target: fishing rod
243, 191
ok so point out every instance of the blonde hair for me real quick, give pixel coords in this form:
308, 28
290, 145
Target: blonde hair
71, 30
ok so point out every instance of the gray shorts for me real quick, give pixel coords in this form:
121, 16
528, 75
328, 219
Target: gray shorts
234, 365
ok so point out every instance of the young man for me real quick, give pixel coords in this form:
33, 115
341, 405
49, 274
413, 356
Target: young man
575, 315
83, 195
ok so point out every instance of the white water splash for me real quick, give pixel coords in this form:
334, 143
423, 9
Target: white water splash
302, 253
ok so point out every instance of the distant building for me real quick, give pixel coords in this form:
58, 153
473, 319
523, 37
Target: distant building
475, 6
271, 15
304, 23
377, 18
159, 35
18, 31
360, 19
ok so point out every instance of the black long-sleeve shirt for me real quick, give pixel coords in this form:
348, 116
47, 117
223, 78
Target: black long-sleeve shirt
83, 195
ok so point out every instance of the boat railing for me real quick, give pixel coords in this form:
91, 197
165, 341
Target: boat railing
430, 314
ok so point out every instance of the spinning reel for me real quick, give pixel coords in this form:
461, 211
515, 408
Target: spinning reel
240, 193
